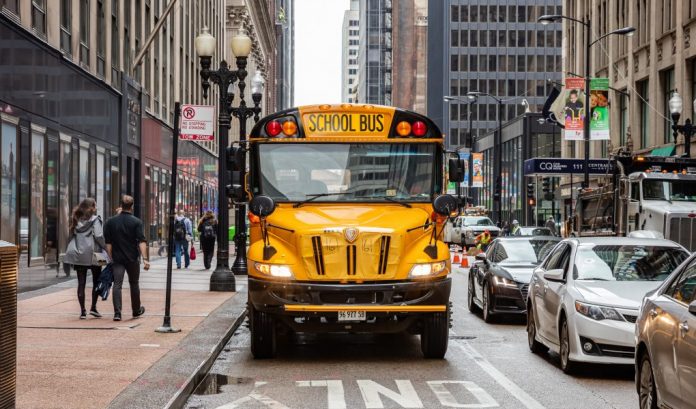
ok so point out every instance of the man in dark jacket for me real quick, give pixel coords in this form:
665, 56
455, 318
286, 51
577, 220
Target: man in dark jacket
125, 242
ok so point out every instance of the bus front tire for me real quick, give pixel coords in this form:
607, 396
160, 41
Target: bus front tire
263, 334
435, 335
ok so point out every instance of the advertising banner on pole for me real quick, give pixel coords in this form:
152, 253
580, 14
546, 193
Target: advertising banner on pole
197, 122
599, 118
477, 169
574, 108
464, 156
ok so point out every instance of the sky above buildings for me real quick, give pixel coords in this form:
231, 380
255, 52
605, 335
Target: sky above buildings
318, 50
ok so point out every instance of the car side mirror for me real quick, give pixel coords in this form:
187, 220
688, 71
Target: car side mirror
692, 307
555, 275
480, 257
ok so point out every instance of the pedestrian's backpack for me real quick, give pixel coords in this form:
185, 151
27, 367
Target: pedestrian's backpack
208, 232
179, 230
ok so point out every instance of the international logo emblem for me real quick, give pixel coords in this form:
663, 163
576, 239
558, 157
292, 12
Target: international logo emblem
350, 233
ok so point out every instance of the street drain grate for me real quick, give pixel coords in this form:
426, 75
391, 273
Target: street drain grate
213, 382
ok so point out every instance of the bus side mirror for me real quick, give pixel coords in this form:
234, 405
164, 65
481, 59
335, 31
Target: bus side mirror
262, 206
456, 170
445, 205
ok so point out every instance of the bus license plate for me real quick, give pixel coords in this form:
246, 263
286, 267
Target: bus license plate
352, 316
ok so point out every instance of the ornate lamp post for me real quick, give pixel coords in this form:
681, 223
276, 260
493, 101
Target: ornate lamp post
688, 129
222, 278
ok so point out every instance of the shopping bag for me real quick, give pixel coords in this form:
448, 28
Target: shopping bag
192, 256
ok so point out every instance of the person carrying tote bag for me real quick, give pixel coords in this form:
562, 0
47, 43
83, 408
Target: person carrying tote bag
86, 251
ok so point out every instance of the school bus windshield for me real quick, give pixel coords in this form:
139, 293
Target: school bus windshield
347, 172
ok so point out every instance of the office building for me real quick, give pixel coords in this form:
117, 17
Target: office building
349, 58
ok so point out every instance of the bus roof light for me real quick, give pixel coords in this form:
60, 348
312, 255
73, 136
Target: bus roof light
289, 128
403, 128
419, 128
273, 128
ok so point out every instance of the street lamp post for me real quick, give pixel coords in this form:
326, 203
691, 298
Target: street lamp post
222, 278
688, 129
628, 31
469, 142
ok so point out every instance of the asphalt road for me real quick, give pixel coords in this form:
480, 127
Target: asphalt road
486, 366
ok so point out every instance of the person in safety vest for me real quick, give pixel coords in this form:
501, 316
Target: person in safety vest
483, 240
515, 231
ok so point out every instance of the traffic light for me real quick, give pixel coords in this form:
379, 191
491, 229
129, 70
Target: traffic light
530, 190
235, 157
235, 186
546, 185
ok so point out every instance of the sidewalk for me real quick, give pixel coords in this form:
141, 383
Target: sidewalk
65, 362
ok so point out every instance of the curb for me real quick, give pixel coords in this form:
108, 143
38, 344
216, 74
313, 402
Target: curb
170, 381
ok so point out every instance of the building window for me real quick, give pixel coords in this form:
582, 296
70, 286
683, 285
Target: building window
38, 16
667, 80
454, 36
101, 38
84, 32
11, 5
115, 43
8, 182
66, 26
454, 14
669, 10
642, 88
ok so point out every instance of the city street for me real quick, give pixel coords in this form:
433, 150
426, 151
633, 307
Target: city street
486, 366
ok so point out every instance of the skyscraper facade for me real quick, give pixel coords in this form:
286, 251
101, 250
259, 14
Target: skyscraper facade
375, 54
349, 60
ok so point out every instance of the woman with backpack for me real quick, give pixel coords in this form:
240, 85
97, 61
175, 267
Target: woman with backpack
207, 227
86, 251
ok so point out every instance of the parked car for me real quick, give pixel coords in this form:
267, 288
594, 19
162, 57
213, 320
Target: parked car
464, 229
499, 279
535, 231
583, 299
666, 342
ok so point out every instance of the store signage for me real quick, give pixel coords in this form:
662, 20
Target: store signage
558, 166
197, 122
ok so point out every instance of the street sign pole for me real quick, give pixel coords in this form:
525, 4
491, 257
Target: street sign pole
167, 324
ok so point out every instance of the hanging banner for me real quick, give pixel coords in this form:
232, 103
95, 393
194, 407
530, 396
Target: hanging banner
599, 118
477, 169
464, 156
573, 108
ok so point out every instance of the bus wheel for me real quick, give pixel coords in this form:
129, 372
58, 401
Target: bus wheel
435, 335
263, 334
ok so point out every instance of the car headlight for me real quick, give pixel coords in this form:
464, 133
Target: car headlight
598, 313
274, 270
469, 234
504, 282
424, 270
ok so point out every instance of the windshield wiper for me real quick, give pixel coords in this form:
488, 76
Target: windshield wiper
315, 196
387, 198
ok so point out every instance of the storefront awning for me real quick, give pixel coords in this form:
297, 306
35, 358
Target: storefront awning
668, 150
565, 166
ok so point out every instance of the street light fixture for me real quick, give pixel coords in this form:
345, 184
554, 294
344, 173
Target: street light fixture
627, 31
222, 278
676, 105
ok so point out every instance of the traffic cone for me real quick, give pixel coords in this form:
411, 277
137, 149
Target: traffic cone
456, 258
465, 262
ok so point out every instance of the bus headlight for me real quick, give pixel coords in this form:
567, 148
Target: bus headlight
274, 270
424, 270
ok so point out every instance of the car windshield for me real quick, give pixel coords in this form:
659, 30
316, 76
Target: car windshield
525, 251
478, 221
660, 189
348, 172
626, 262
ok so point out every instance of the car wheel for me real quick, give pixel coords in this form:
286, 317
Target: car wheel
647, 395
486, 310
435, 336
263, 334
534, 345
567, 365
470, 295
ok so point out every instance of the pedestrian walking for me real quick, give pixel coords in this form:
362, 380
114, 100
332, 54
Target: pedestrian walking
207, 227
183, 233
125, 242
551, 225
86, 251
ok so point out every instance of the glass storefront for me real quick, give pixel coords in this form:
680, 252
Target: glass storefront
8, 182
36, 210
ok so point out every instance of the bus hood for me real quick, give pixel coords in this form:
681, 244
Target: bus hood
314, 218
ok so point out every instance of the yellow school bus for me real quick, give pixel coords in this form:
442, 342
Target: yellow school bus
346, 215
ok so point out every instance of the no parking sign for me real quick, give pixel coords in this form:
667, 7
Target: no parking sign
197, 122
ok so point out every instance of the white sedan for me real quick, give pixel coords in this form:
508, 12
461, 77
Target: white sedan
584, 298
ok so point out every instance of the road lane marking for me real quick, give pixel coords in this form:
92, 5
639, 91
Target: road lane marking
499, 377
336, 396
448, 400
406, 396
254, 395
